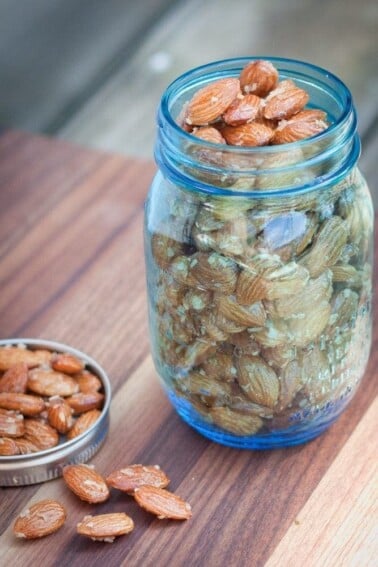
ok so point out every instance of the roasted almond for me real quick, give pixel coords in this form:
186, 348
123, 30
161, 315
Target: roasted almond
41, 434
9, 356
25, 446
129, 478
284, 101
85, 401
162, 503
86, 483
243, 110
210, 102
209, 134
83, 422
8, 447
11, 424
259, 77
305, 124
234, 421
88, 382
24, 403
67, 363
248, 134
105, 527
258, 380
40, 519
51, 383
15, 379
59, 415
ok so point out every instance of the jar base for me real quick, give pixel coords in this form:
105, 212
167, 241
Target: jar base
296, 434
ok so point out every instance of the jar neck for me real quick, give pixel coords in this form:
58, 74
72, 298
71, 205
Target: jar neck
302, 166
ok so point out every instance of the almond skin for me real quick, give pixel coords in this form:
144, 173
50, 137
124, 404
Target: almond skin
284, 101
41, 519
83, 422
249, 134
15, 379
59, 415
51, 383
25, 446
303, 125
162, 503
210, 102
133, 476
11, 424
105, 527
243, 110
9, 356
88, 382
67, 363
8, 447
24, 403
259, 77
86, 483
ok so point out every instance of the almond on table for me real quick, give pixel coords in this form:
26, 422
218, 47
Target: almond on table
86, 483
162, 503
105, 527
40, 519
129, 478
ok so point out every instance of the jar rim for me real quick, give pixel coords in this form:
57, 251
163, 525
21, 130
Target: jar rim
237, 62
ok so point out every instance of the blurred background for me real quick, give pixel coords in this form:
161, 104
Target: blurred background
93, 71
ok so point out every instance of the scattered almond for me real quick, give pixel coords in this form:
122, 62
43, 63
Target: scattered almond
162, 503
86, 483
105, 527
134, 476
41, 519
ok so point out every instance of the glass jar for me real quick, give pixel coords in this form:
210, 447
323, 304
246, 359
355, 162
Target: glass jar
259, 267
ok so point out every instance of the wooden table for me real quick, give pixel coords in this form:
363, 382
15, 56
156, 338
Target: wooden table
72, 270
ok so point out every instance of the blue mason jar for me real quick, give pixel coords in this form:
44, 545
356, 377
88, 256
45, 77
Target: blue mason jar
259, 269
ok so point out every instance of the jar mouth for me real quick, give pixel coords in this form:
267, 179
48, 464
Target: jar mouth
327, 92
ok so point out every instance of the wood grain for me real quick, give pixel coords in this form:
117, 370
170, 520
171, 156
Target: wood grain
71, 269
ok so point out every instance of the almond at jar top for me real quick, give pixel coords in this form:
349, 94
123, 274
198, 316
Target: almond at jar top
259, 263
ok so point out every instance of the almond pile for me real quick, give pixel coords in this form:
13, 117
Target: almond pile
145, 483
255, 109
46, 398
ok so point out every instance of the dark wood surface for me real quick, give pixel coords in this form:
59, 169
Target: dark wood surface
72, 269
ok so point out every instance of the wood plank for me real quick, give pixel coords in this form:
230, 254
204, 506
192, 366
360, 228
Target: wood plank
245, 503
121, 115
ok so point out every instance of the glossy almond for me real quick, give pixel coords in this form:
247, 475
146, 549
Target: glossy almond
249, 134
129, 478
24, 403
8, 447
209, 134
9, 356
86, 483
85, 401
302, 125
41, 434
59, 415
105, 527
40, 519
11, 424
259, 77
67, 363
284, 101
243, 110
25, 446
15, 379
162, 503
83, 422
88, 382
51, 383
210, 102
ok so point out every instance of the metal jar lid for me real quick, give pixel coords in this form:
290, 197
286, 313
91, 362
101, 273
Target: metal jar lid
19, 470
